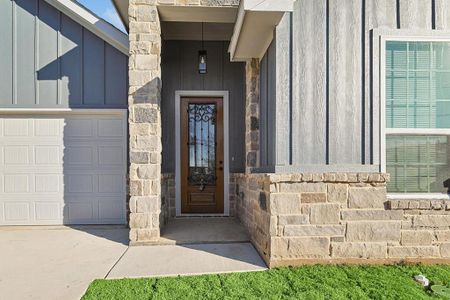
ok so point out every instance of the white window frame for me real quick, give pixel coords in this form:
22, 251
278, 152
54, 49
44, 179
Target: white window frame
380, 38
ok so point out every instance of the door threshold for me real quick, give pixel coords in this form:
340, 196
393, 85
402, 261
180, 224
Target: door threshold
202, 216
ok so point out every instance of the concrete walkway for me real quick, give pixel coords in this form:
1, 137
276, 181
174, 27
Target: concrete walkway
174, 260
61, 262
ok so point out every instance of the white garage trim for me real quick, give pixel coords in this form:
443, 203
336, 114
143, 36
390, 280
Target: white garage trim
63, 166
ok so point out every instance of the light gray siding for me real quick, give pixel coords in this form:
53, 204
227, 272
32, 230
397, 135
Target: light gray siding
48, 61
180, 72
333, 120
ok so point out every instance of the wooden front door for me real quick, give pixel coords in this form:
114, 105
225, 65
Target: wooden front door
202, 159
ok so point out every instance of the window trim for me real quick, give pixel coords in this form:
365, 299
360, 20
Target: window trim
380, 38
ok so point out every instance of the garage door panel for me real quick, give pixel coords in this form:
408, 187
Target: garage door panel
111, 183
17, 211
48, 128
111, 128
63, 170
110, 155
16, 183
47, 183
78, 127
48, 211
110, 209
16, 128
78, 155
16, 155
47, 155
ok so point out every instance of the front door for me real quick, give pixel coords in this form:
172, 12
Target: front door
202, 158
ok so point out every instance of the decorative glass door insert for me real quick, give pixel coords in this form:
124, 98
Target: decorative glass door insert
202, 155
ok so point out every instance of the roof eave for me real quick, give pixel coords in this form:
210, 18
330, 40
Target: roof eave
96, 25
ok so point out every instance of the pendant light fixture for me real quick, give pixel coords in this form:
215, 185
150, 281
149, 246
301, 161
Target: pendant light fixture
202, 56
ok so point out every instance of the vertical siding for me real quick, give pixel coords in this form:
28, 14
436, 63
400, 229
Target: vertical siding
48, 65
6, 52
334, 120
116, 87
271, 103
345, 88
25, 81
309, 99
442, 14
415, 14
180, 72
48, 60
71, 61
282, 111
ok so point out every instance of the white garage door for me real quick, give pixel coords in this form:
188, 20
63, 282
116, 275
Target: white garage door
63, 168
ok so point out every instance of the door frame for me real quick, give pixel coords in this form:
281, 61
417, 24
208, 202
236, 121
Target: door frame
226, 174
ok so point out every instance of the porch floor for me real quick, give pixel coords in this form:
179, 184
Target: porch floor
205, 230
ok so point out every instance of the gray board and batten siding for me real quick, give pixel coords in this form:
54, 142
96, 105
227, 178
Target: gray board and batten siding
318, 105
47, 60
180, 73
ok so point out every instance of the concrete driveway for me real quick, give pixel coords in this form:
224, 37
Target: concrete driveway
58, 263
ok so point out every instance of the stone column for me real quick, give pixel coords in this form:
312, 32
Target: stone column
144, 121
252, 114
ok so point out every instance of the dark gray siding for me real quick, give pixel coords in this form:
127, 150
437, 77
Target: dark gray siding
180, 72
327, 95
47, 60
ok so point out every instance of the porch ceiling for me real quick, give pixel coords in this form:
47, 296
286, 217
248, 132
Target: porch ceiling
254, 27
185, 13
192, 31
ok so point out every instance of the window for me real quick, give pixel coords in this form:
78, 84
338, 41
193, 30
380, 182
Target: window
417, 116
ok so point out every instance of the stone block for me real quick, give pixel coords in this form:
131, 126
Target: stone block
314, 230
313, 197
148, 171
432, 221
144, 204
279, 246
445, 250
281, 204
303, 187
413, 252
139, 157
366, 197
369, 215
145, 114
140, 220
337, 193
324, 214
148, 234
293, 219
359, 250
309, 247
443, 236
373, 231
416, 238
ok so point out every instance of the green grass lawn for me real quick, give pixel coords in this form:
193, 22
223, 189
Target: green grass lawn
309, 282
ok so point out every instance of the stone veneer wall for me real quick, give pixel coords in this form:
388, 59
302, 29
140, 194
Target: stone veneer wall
168, 209
147, 214
252, 114
144, 121
339, 218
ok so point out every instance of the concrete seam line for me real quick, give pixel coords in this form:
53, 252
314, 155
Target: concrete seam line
115, 264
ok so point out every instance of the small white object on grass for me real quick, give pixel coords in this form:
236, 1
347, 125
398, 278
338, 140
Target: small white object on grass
422, 280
